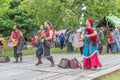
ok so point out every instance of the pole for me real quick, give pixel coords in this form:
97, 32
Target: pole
107, 27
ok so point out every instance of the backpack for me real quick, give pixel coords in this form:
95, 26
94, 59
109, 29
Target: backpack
64, 63
75, 64
4, 59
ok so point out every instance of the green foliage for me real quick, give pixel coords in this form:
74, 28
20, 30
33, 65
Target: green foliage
30, 14
105, 40
14, 3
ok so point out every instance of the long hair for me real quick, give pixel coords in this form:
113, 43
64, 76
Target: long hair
17, 26
50, 25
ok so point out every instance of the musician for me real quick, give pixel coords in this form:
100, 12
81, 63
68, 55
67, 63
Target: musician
91, 60
43, 48
42, 29
17, 35
2, 43
40, 33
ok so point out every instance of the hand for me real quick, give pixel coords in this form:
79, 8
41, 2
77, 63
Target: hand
99, 42
86, 35
80, 40
42, 40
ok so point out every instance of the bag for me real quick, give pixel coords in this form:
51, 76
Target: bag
49, 44
4, 59
64, 63
75, 64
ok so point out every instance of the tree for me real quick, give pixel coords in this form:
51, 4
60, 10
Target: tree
30, 14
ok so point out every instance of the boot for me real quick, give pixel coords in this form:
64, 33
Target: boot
20, 58
16, 61
52, 63
39, 62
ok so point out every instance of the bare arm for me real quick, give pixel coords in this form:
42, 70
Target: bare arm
93, 34
21, 34
82, 36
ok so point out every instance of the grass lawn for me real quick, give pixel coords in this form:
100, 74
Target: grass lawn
9, 51
111, 76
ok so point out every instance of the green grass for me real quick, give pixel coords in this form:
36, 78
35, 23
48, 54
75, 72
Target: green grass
111, 76
9, 52
62, 51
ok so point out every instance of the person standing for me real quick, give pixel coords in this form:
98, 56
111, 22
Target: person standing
100, 40
56, 40
91, 59
40, 33
2, 43
43, 48
17, 38
32, 41
62, 39
81, 48
116, 36
70, 40
110, 42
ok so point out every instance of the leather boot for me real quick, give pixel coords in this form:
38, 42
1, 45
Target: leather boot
52, 63
16, 61
20, 58
39, 62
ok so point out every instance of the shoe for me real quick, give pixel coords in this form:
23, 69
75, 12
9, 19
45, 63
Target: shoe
20, 59
39, 62
93, 68
98, 68
16, 61
52, 64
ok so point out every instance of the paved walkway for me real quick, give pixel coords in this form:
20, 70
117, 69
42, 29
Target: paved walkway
27, 70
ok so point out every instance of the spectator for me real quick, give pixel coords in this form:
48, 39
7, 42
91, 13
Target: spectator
62, 39
32, 40
81, 48
56, 40
110, 42
2, 43
70, 47
100, 40
116, 35
9, 44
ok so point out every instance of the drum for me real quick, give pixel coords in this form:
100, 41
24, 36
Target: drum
76, 43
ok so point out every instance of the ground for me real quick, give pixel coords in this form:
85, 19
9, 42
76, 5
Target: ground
28, 71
